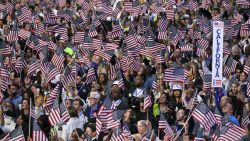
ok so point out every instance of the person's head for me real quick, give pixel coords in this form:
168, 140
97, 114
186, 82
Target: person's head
8, 106
180, 115
40, 100
224, 101
139, 80
43, 121
27, 80
103, 78
129, 113
115, 91
163, 98
13, 90
22, 119
189, 93
177, 90
76, 134
243, 77
91, 130
234, 87
68, 103
78, 104
94, 98
78, 80
72, 112
228, 108
142, 127
25, 103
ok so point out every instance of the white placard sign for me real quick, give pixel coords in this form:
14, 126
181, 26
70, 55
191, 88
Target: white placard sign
217, 62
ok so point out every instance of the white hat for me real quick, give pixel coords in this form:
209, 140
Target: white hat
116, 82
177, 87
94, 95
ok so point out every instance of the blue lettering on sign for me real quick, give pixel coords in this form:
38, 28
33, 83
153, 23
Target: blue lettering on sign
217, 55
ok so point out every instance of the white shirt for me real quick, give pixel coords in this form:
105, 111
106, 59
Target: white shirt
71, 125
138, 92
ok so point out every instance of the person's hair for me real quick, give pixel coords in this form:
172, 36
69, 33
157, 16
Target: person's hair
248, 128
26, 99
25, 118
80, 101
105, 76
143, 123
79, 132
143, 77
72, 112
92, 126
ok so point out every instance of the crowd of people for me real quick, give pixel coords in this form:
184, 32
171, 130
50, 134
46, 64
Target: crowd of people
122, 70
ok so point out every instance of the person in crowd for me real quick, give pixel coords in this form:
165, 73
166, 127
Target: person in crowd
91, 131
94, 105
73, 123
79, 105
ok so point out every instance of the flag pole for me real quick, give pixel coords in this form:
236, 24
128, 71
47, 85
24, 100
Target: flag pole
30, 118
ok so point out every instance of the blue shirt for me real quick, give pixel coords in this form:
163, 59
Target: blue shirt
234, 120
16, 100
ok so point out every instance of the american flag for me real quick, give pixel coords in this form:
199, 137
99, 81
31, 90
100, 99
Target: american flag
68, 76
52, 96
24, 34
114, 118
230, 66
174, 74
6, 50
58, 58
54, 115
53, 72
12, 36
248, 89
79, 37
92, 31
32, 67
147, 102
186, 48
64, 113
162, 122
170, 14
245, 118
121, 83
25, 15
154, 85
217, 115
32, 112
17, 135
246, 68
117, 135
231, 132
90, 76
204, 116
207, 81
37, 133
20, 64
226, 4
147, 136
9, 7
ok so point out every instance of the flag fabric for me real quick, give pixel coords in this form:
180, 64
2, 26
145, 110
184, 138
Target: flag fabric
217, 115
204, 116
64, 113
230, 66
162, 122
32, 67
147, 102
58, 58
245, 118
207, 81
231, 132
54, 115
90, 76
37, 133
248, 89
17, 135
174, 74
53, 72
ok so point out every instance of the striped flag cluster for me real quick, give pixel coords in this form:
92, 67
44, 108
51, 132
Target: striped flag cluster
204, 116
58, 58
207, 81
64, 113
231, 132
